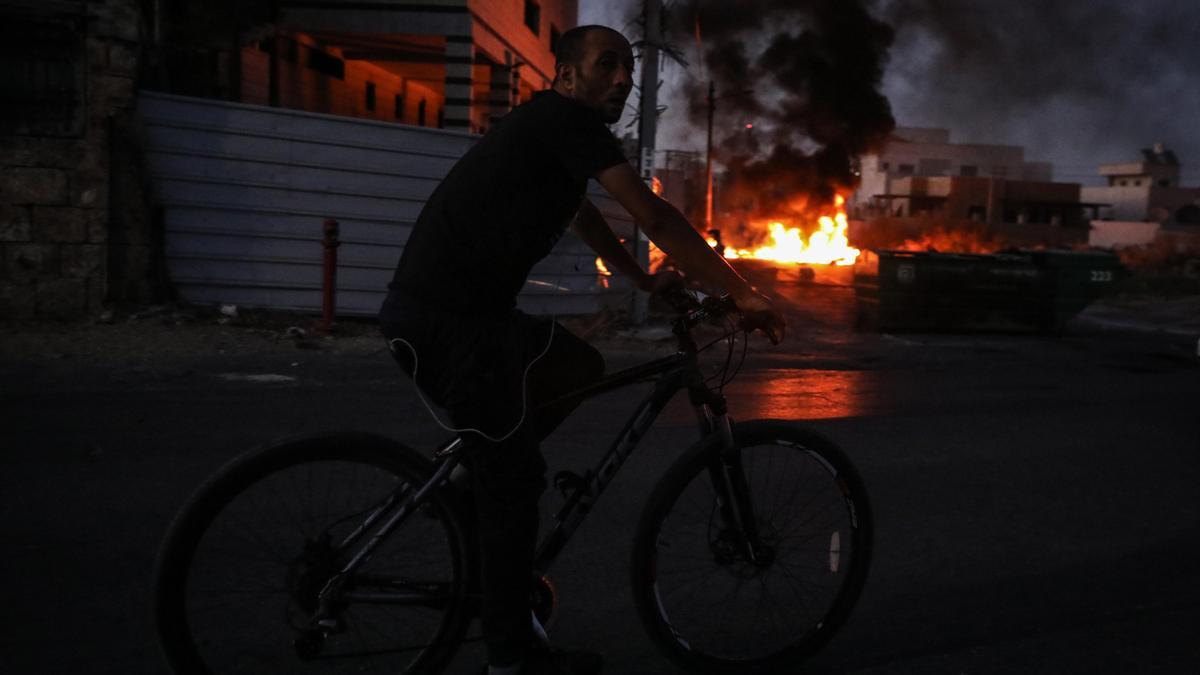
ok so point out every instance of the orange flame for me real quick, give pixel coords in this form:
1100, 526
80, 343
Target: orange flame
828, 245
602, 272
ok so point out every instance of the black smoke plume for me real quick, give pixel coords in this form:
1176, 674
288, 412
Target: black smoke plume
806, 74
1080, 82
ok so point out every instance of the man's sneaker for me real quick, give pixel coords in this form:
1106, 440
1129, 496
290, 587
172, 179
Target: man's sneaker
551, 661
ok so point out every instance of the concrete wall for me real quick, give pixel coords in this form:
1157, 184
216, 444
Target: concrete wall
61, 184
1115, 233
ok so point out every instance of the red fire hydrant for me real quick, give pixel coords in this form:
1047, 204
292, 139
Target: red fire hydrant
329, 290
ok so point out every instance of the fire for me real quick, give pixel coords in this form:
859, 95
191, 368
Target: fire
602, 272
656, 256
828, 245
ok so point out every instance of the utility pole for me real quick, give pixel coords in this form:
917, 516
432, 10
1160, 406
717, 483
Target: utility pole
235, 54
647, 128
273, 83
708, 172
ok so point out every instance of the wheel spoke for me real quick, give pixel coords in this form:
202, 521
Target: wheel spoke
729, 610
263, 549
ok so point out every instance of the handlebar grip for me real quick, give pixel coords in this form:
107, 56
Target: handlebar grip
761, 320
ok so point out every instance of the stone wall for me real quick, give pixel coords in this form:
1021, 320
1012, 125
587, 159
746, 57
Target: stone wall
67, 124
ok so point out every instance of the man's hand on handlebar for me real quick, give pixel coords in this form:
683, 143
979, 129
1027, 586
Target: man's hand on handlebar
758, 313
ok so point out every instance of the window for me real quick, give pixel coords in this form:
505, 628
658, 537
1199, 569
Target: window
326, 64
999, 171
370, 97
399, 106
1188, 215
554, 35
288, 48
533, 16
43, 78
968, 170
1164, 182
421, 113
906, 169
886, 165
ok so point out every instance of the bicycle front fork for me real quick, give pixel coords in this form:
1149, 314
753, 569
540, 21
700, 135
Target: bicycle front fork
728, 478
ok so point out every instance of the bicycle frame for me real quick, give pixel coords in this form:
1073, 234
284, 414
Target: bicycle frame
674, 373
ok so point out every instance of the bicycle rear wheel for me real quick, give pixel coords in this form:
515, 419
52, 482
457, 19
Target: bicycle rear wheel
237, 578
711, 607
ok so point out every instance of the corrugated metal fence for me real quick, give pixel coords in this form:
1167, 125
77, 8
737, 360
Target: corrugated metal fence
245, 190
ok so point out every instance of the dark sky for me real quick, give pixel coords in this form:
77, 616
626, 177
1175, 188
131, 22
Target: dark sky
1076, 82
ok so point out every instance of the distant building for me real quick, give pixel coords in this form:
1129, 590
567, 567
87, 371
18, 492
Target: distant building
1145, 203
453, 65
921, 185
917, 152
1147, 191
992, 201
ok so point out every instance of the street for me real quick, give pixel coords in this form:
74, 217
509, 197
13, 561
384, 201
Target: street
1035, 497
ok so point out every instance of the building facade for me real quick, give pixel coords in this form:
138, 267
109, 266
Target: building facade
1147, 191
916, 152
993, 201
453, 64
923, 188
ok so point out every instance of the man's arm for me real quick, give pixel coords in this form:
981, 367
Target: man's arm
667, 228
591, 227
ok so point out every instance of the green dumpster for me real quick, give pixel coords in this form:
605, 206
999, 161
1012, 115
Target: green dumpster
958, 292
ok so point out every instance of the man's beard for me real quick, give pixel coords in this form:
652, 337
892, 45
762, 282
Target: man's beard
612, 110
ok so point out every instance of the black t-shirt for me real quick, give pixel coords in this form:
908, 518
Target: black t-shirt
503, 207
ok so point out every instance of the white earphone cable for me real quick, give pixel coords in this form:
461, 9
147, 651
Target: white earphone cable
524, 385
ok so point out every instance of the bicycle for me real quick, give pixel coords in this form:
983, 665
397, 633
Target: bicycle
347, 551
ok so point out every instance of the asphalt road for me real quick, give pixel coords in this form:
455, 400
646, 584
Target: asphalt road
1036, 498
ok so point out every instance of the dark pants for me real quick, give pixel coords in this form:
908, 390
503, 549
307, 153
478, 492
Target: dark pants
474, 368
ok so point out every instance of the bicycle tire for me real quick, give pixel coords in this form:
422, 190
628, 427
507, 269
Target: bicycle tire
689, 583
236, 576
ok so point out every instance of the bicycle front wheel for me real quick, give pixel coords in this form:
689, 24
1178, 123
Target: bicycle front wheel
238, 576
707, 600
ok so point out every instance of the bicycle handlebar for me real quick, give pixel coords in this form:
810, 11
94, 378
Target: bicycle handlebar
713, 309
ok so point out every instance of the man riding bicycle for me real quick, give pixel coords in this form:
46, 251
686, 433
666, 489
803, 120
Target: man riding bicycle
450, 312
